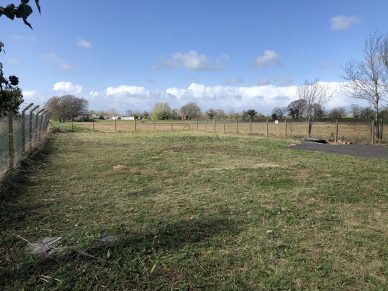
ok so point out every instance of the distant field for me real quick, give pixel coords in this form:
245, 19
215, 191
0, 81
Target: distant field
195, 210
358, 132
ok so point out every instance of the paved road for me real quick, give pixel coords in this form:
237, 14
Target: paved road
358, 150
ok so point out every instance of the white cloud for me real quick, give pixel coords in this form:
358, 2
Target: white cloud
53, 58
328, 66
29, 94
17, 37
67, 88
194, 61
262, 98
81, 42
125, 90
13, 61
233, 81
269, 58
342, 22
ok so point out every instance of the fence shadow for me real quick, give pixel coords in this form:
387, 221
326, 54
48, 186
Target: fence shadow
17, 182
141, 247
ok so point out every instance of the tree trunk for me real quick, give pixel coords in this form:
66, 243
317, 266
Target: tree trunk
376, 124
310, 125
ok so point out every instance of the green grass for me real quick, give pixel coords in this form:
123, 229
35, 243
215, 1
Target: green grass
195, 210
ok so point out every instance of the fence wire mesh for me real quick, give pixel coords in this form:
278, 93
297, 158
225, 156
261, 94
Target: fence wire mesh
19, 135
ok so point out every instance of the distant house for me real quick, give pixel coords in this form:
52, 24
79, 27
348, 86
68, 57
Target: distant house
123, 118
127, 118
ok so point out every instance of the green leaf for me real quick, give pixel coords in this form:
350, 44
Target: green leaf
38, 5
23, 11
27, 23
9, 11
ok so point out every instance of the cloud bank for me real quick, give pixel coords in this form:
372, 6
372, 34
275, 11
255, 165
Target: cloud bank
194, 61
342, 22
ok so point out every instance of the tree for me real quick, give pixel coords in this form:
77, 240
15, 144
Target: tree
66, 107
220, 114
367, 79
161, 111
366, 113
337, 112
175, 114
296, 108
277, 113
318, 111
315, 94
211, 113
190, 111
355, 110
10, 94
251, 113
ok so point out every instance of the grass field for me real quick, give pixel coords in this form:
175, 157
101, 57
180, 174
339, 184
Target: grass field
357, 132
195, 210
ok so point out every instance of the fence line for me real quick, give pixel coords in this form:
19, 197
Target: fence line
334, 130
21, 134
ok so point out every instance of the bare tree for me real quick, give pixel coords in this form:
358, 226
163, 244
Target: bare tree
337, 112
66, 107
367, 78
315, 94
190, 111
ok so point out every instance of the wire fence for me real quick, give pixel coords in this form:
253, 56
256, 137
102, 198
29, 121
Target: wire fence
333, 130
21, 134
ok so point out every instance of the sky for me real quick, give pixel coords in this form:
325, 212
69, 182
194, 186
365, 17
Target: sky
232, 54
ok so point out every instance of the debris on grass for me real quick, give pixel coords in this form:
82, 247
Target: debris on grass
44, 247
120, 167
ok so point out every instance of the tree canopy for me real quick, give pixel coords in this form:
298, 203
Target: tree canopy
10, 93
66, 107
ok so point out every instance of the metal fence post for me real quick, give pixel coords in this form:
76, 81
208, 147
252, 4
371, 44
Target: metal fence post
224, 127
93, 124
24, 127
215, 125
237, 126
197, 123
373, 131
285, 123
250, 126
267, 129
11, 147
30, 134
42, 120
37, 122
382, 129
336, 131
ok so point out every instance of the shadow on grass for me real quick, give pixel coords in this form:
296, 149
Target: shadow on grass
130, 255
17, 182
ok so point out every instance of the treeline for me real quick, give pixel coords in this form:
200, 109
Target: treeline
296, 111
71, 107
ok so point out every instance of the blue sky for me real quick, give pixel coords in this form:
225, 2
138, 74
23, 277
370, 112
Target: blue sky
231, 54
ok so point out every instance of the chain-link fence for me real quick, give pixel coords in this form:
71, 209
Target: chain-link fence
20, 134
